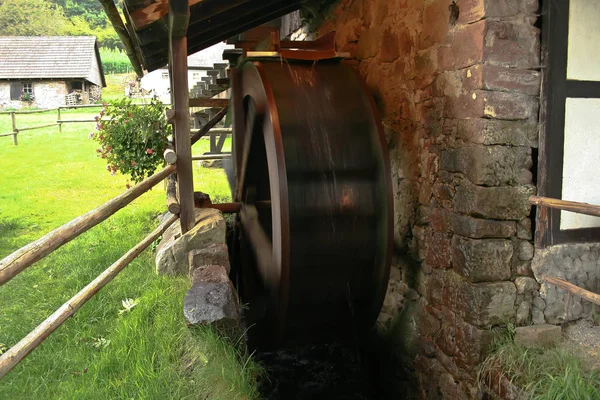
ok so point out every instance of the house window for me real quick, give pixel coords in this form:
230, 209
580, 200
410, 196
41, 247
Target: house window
165, 75
76, 85
568, 160
28, 88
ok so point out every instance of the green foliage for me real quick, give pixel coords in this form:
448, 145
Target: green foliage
542, 373
133, 138
31, 18
114, 61
56, 18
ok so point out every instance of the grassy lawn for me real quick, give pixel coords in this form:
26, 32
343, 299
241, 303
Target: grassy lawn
100, 353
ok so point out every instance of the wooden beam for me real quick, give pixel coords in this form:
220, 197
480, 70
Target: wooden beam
573, 206
16, 262
179, 13
206, 102
179, 18
573, 289
153, 12
26, 345
208, 126
117, 23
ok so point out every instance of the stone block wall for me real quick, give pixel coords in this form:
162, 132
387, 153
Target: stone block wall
458, 89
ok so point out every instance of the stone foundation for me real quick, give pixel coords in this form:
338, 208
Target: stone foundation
578, 264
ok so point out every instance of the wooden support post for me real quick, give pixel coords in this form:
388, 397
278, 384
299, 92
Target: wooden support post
13, 118
26, 345
179, 16
172, 203
58, 121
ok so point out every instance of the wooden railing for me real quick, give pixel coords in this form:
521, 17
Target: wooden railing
26, 256
201, 102
576, 207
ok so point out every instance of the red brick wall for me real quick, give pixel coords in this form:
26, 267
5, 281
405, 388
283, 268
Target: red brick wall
459, 101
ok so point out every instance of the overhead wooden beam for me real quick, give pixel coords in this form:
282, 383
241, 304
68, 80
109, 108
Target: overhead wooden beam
179, 15
117, 23
153, 12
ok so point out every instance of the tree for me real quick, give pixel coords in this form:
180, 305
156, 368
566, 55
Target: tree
31, 18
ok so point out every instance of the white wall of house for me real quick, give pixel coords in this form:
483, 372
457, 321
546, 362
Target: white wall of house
47, 94
158, 83
95, 76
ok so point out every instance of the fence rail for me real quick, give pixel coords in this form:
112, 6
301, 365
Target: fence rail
21, 259
59, 121
26, 345
576, 207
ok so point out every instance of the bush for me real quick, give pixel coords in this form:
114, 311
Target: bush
133, 138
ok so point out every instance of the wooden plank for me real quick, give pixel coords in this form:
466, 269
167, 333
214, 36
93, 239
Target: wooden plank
573, 206
576, 290
181, 126
26, 345
21, 259
207, 102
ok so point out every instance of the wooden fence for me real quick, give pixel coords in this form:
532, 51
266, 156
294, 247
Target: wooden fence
26, 256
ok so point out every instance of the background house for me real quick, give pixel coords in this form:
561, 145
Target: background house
158, 83
48, 71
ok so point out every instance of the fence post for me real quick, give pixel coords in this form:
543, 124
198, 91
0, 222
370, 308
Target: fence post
58, 121
14, 128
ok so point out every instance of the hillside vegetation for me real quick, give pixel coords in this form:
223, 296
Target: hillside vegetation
65, 17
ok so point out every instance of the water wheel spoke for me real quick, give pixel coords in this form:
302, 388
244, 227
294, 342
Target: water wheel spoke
263, 248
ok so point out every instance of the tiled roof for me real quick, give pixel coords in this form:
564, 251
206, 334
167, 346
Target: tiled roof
46, 56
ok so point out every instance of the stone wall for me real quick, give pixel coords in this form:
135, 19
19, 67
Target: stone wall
457, 87
47, 94
576, 263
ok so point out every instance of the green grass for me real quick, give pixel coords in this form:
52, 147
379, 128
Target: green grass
100, 353
552, 373
115, 86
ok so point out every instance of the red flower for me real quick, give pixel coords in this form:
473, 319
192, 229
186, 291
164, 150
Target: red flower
128, 186
97, 118
130, 115
133, 163
149, 151
108, 148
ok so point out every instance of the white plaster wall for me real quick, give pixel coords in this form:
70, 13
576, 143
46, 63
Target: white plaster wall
584, 39
581, 161
94, 75
48, 94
